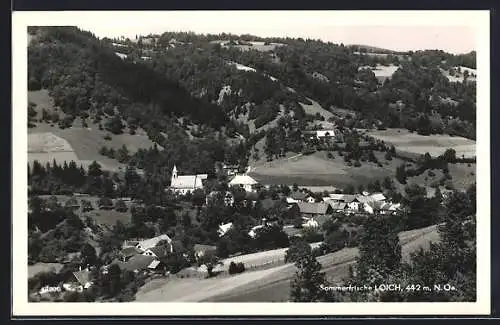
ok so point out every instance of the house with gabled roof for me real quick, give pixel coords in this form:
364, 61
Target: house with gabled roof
158, 251
81, 280
146, 244
310, 210
246, 182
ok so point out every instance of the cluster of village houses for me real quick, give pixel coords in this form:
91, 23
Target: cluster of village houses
313, 213
136, 256
146, 255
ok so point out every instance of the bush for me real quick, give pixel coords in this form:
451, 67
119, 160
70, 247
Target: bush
235, 268
357, 163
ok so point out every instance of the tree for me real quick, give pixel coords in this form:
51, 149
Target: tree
122, 155
88, 255
198, 197
114, 125
450, 156
423, 211
401, 174
309, 282
299, 248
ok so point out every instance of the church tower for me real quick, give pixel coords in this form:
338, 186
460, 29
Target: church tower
174, 172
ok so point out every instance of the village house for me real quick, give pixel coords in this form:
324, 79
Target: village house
337, 206
297, 196
186, 183
224, 228
230, 170
138, 263
320, 134
244, 181
310, 210
158, 252
147, 244
80, 281
310, 199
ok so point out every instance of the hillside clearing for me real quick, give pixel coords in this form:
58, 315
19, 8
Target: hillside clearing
43, 267
81, 145
435, 145
314, 108
317, 170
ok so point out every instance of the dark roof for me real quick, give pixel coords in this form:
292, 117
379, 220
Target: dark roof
82, 276
130, 251
299, 195
160, 251
313, 208
137, 262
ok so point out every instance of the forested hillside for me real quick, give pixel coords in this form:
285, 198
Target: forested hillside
204, 90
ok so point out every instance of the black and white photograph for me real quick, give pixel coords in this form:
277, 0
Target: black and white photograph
264, 158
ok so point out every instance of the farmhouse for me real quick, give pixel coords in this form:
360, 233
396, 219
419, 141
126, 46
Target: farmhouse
158, 251
299, 196
310, 210
138, 263
186, 183
81, 280
320, 134
128, 252
147, 244
246, 182
224, 228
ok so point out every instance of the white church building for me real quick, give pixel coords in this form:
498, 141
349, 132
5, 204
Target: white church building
183, 184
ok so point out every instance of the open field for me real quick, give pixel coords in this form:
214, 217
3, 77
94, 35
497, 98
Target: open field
463, 175
43, 101
43, 267
270, 284
435, 145
317, 170
314, 108
46, 143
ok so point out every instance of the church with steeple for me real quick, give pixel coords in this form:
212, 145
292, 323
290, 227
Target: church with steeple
183, 184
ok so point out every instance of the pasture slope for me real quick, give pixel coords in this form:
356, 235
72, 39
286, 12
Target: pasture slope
269, 285
48, 142
318, 170
406, 142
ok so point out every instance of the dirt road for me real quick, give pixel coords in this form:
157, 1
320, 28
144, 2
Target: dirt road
267, 285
